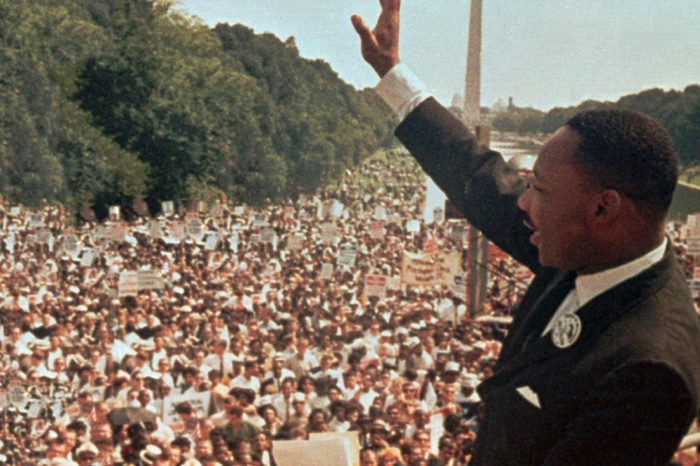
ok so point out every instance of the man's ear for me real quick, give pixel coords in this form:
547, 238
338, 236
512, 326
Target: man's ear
609, 205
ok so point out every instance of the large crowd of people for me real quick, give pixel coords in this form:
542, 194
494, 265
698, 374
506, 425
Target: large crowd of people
203, 336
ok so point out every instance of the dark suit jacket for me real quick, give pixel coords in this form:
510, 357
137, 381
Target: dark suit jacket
626, 391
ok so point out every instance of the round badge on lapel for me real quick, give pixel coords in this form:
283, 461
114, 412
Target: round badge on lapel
566, 331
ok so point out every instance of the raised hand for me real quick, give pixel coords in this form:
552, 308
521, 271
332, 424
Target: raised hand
380, 46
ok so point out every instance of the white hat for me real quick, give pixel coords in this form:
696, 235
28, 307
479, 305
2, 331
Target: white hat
87, 447
452, 366
149, 454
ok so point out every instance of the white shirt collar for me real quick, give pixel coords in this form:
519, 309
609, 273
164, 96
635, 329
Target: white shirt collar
590, 286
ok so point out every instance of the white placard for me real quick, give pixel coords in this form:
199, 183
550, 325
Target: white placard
88, 257
347, 256
326, 271
352, 438
329, 232
212, 241
150, 280
379, 213
295, 242
328, 452
198, 400
438, 215
128, 284
337, 208
115, 213
693, 245
413, 226
167, 207
376, 285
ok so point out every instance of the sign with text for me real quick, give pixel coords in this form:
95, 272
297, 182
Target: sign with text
376, 285
329, 232
150, 280
128, 284
295, 242
198, 400
167, 207
326, 271
347, 256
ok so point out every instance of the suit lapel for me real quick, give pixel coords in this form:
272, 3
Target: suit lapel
596, 316
531, 323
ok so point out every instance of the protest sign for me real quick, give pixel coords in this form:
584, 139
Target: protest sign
418, 270
693, 220
212, 241
694, 286
394, 283
693, 245
375, 285
459, 286
167, 207
198, 400
268, 235
458, 232
16, 394
438, 215
36, 220
128, 284
150, 280
115, 213
329, 232
239, 211
259, 220
447, 267
71, 245
413, 226
347, 255
379, 213
295, 242
337, 208
43, 235
328, 452
233, 241
195, 228
352, 439
177, 230
88, 257
326, 271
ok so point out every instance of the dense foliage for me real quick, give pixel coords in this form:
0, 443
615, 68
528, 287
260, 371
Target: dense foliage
678, 111
105, 101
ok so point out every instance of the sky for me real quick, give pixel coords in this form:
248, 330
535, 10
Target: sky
543, 53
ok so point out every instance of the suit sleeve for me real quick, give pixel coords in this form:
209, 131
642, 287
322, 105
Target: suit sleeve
475, 179
637, 415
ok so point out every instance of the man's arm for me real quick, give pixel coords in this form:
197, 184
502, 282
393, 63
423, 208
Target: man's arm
475, 179
380, 46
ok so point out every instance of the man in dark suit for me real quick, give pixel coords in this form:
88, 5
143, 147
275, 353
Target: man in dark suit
602, 363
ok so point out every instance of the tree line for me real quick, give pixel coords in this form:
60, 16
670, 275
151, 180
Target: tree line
107, 101
678, 111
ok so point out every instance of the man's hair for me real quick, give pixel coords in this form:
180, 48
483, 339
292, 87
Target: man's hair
629, 152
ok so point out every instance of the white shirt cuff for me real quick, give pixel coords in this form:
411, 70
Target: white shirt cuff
402, 90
